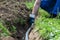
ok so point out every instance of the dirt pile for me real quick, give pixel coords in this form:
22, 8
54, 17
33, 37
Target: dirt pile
12, 13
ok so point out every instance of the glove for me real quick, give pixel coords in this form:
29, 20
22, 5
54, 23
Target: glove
31, 19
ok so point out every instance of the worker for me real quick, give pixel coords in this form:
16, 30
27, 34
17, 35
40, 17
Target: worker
51, 6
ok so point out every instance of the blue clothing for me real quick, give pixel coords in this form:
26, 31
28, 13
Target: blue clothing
51, 6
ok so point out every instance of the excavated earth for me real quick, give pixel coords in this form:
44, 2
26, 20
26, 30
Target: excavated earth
13, 13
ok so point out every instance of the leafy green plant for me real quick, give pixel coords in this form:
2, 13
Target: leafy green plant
30, 4
49, 28
4, 30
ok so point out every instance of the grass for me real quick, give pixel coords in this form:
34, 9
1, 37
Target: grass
30, 4
48, 28
3, 30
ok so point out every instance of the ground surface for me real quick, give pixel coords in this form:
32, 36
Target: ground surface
15, 14
12, 13
34, 35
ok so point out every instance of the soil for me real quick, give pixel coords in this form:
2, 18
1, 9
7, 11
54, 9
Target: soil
12, 13
8, 38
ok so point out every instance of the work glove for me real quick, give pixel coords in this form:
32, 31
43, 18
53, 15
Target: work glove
31, 19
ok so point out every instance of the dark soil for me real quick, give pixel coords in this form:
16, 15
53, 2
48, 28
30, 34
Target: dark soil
12, 13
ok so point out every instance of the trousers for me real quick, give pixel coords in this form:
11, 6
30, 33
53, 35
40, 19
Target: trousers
51, 6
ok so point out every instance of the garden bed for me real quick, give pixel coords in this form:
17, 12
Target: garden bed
13, 18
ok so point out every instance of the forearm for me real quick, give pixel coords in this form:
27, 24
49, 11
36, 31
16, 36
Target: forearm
36, 7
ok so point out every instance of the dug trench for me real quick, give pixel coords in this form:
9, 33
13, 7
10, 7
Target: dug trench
15, 14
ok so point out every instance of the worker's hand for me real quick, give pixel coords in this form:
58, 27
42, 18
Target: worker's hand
31, 19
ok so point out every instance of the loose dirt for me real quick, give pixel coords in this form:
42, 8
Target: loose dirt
12, 13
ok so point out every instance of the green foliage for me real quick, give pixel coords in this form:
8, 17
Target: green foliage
13, 29
3, 30
30, 4
22, 21
49, 28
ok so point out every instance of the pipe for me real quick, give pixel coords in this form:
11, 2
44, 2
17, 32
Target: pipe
27, 33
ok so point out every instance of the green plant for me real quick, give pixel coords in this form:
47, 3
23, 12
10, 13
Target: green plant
49, 28
13, 29
30, 4
4, 31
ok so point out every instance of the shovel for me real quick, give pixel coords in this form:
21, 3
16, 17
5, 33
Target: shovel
28, 31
